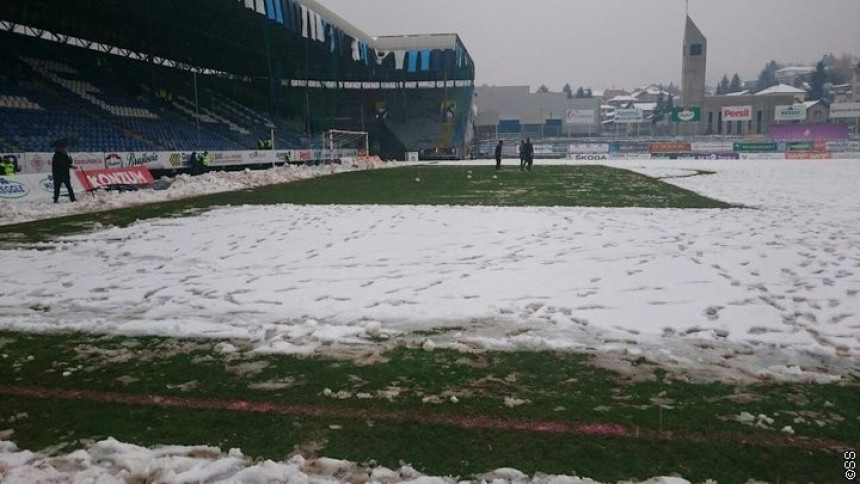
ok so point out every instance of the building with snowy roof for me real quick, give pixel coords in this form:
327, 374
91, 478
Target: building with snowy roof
515, 111
737, 114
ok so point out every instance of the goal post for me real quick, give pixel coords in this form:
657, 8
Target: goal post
340, 143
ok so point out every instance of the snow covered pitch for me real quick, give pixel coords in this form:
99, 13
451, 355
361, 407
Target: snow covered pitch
766, 291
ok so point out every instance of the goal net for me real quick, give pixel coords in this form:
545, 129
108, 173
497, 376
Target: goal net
339, 144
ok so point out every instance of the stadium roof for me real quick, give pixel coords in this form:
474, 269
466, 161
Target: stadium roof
237, 37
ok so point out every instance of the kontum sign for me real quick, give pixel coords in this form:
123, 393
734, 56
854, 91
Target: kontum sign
737, 113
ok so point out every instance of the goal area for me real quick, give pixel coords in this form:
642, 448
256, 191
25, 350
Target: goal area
339, 144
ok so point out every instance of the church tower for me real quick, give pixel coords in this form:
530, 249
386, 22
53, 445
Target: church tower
693, 66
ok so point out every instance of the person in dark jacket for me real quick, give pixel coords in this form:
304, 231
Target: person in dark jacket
194, 164
499, 155
530, 154
61, 163
522, 155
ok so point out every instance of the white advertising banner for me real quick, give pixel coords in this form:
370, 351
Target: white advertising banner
589, 157
628, 115
630, 156
34, 188
588, 148
796, 112
88, 161
580, 116
845, 110
737, 113
711, 146
843, 146
847, 156
37, 162
762, 156
543, 149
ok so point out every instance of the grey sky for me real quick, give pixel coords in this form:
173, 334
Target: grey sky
622, 43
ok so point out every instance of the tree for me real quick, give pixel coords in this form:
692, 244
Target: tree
580, 93
723, 87
736, 85
767, 77
543, 88
659, 108
816, 84
673, 89
670, 103
839, 68
567, 90
588, 93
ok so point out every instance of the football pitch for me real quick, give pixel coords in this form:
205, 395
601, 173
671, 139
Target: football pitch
454, 318
565, 186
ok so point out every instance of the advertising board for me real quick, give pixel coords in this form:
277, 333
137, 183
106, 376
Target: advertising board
737, 113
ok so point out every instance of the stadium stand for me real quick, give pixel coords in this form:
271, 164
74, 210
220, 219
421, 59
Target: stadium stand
167, 82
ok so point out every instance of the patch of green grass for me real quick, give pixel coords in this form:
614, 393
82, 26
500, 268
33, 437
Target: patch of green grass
432, 449
554, 387
568, 186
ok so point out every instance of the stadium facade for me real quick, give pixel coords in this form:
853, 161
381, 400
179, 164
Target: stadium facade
221, 73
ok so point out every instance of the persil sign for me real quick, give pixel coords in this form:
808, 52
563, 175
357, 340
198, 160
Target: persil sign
737, 113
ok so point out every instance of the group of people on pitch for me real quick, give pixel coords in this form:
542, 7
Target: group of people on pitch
527, 155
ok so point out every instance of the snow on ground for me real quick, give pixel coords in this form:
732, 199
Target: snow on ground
765, 292
183, 186
110, 461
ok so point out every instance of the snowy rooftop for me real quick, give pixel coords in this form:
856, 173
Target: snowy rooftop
781, 89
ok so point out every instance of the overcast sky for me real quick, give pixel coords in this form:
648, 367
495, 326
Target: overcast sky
621, 43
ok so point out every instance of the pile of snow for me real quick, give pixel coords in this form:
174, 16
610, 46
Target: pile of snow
112, 461
739, 294
182, 186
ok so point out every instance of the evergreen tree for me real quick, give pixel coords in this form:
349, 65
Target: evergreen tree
670, 103
659, 108
816, 84
723, 87
588, 93
567, 90
736, 85
543, 88
673, 89
767, 77
580, 93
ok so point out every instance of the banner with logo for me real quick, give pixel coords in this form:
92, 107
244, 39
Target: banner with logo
843, 146
132, 175
716, 156
626, 116
629, 156
88, 161
669, 147
687, 115
33, 188
762, 156
591, 157
711, 146
737, 113
754, 146
845, 110
37, 162
795, 146
795, 112
588, 148
580, 116
808, 156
